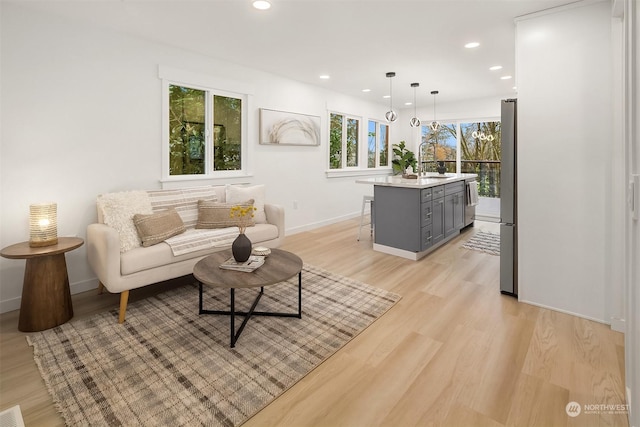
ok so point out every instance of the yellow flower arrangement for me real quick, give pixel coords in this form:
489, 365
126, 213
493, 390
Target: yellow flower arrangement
243, 214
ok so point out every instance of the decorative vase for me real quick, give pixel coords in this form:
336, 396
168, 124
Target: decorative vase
441, 168
241, 248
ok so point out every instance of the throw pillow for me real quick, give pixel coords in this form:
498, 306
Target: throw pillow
237, 194
218, 215
184, 200
118, 210
157, 227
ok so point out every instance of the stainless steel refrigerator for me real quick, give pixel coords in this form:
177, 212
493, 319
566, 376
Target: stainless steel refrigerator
508, 200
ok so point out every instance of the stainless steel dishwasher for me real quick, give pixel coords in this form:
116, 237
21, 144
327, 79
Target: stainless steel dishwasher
469, 209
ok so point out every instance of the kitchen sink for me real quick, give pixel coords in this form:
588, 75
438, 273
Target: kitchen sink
436, 175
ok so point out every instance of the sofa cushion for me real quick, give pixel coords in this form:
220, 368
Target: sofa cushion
183, 200
140, 259
237, 194
218, 215
117, 211
157, 227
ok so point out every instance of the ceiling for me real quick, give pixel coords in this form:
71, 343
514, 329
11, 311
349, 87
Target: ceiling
354, 41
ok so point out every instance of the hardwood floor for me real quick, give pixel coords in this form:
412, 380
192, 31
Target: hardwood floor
452, 352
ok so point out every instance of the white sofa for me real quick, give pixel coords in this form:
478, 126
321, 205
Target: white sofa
122, 264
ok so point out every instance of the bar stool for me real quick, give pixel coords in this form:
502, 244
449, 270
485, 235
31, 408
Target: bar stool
365, 200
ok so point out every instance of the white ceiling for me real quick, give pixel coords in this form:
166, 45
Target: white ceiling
354, 41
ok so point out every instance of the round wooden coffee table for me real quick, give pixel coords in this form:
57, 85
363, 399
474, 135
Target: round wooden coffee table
278, 267
46, 298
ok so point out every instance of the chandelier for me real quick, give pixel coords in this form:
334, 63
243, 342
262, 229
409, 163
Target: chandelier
482, 136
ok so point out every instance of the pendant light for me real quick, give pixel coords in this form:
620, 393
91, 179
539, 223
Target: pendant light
415, 121
391, 115
434, 125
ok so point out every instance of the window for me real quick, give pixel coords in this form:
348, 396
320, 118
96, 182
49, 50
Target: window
480, 154
344, 136
441, 143
205, 131
378, 147
479, 146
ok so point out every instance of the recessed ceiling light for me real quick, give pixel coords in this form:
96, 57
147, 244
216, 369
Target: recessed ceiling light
262, 4
514, 88
496, 67
325, 77
505, 77
471, 45
408, 103
366, 90
386, 96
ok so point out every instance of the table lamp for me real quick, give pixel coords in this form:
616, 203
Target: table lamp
43, 224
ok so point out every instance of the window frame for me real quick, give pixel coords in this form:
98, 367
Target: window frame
458, 123
379, 124
212, 87
363, 147
344, 140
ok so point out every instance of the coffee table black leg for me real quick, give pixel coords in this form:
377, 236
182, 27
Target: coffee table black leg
300, 295
247, 315
234, 337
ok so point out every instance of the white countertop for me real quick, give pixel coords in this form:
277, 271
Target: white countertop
432, 179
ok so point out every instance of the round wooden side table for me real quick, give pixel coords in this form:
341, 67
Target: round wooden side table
46, 297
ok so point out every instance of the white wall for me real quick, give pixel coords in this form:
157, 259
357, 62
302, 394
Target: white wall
81, 115
565, 128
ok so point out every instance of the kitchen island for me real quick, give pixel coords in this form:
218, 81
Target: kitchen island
412, 217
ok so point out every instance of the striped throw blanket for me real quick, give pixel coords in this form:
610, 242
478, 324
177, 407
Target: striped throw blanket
194, 240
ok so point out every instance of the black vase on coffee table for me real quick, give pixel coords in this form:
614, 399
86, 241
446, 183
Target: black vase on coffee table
241, 248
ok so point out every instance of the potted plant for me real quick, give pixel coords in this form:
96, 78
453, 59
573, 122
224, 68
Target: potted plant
403, 158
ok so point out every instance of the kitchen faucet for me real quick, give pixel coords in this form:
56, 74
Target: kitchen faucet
422, 151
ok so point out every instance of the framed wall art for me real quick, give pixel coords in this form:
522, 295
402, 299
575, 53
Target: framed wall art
284, 128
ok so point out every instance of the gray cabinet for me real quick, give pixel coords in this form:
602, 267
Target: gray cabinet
416, 219
453, 208
438, 214
426, 217
398, 217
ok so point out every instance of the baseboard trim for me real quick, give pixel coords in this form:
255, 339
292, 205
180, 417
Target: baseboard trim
10, 304
314, 225
564, 311
84, 286
618, 324
75, 288
487, 218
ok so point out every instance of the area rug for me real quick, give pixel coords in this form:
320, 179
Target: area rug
485, 242
167, 365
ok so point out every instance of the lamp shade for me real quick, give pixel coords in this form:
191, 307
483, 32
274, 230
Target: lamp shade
43, 224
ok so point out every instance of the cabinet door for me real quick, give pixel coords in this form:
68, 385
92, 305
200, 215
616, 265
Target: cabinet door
437, 221
449, 215
453, 213
426, 213
427, 237
458, 211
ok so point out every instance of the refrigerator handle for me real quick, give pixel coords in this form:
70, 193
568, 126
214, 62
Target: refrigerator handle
633, 196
